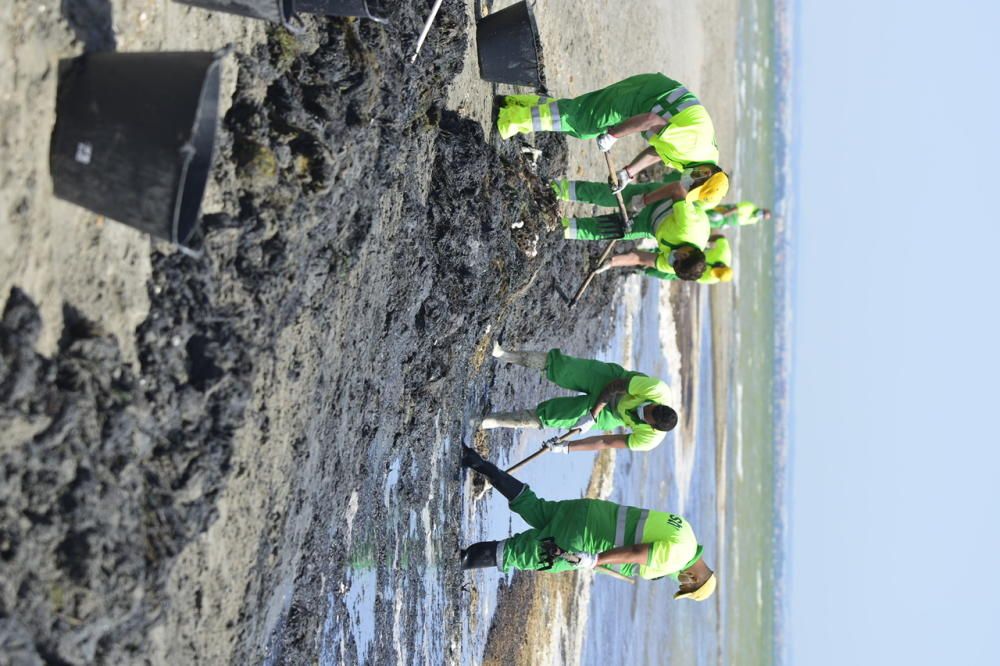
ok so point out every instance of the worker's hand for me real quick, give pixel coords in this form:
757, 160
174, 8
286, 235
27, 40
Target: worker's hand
603, 268
585, 423
636, 203
605, 141
580, 560
555, 446
550, 552
623, 180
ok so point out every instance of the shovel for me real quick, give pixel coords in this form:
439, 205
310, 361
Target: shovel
543, 450
613, 175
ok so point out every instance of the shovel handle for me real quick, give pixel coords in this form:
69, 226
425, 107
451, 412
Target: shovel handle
613, 176
544, 449
614, 574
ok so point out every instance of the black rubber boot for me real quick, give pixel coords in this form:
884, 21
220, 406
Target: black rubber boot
479, 555
508, 486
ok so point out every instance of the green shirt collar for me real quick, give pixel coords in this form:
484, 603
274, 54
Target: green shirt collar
697, 556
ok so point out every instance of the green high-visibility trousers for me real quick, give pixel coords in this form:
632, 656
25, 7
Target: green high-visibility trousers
599, 227
583, 525
586, 376
595, 112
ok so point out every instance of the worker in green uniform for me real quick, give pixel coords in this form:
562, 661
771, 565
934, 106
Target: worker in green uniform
610, 397
599, 192
681, 231
737, 215
687, 185
672, 119
718, 262
589, 533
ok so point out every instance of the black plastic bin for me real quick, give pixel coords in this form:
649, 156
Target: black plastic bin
276, 11
134, 137
362, 8
508, 47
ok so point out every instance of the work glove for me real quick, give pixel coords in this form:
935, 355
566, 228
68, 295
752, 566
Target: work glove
605, 141
636, 203
580, 560
550, 551
627, 227
623, 180
556, 447
585, 423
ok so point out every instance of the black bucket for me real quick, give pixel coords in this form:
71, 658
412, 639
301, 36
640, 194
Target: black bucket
508, 47
134, 137
276, 11
360, 8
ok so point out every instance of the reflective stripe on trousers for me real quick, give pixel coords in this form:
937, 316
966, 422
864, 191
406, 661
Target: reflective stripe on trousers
545, 118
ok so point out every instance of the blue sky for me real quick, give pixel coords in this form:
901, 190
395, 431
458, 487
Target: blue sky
895, 491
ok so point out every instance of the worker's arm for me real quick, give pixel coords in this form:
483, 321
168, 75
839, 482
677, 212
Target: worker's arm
642, 161
715, 237
629, 259
598, 443
614, 388
637, 554
639, 123
673, 191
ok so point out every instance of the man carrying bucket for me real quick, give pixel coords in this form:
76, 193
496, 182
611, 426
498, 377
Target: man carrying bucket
584, 534
609, 397
677, 126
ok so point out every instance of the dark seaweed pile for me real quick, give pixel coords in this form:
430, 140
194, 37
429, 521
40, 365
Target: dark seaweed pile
358, 207
107, 475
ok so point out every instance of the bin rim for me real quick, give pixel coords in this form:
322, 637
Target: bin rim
193, 178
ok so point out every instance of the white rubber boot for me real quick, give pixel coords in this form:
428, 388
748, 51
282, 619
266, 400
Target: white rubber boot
522, 419
525, 359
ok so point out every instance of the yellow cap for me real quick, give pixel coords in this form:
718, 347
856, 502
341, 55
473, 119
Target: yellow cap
723, 273
711, 192
704, 592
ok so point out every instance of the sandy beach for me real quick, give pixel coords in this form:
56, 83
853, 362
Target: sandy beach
367, 237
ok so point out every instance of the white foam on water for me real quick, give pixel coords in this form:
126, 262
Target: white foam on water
351, 513
358, 593
430, 640
738, 439
760, 590
391, 479
402, 656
